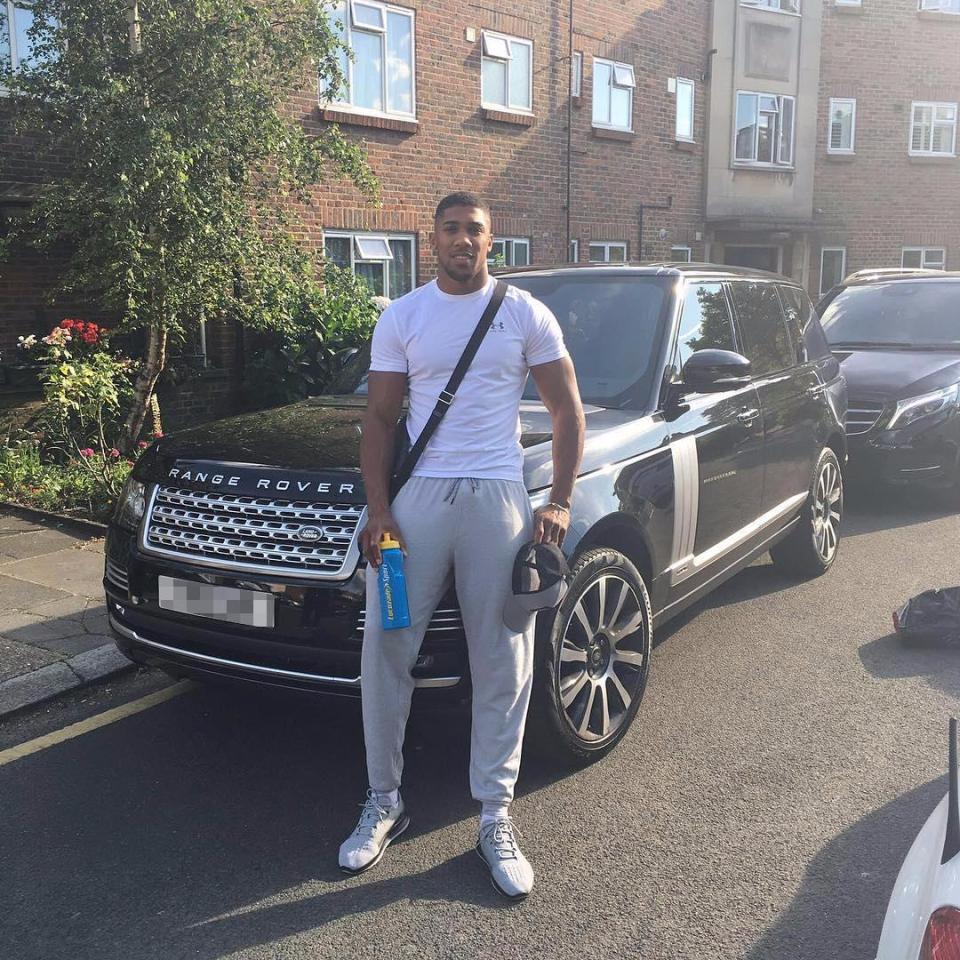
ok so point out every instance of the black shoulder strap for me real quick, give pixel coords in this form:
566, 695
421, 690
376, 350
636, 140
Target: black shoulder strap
450, 390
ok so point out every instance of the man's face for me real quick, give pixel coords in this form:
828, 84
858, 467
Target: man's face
462, 239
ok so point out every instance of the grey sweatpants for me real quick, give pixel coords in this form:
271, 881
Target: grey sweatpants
473, 529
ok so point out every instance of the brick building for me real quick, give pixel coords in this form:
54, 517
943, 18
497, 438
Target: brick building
806, 136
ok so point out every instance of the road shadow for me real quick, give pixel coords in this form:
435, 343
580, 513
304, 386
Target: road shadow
873, 507
164, 835
838, 910
890, 658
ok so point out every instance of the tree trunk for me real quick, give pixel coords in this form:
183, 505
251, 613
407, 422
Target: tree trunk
143, 388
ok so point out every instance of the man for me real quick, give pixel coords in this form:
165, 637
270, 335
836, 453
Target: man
465, 508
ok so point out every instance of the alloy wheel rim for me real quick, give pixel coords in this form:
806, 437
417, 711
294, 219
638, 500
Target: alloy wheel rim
603, 657
827, 511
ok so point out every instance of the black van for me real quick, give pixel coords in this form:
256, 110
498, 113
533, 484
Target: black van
714, 418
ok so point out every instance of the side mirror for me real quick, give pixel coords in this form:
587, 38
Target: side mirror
715, 371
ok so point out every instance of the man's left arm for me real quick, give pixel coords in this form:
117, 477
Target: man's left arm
557, 385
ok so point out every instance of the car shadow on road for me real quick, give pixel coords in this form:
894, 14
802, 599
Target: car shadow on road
175, 826
838, 910
890, 658
874, 507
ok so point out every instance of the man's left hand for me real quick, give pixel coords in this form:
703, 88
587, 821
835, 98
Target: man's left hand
550, 525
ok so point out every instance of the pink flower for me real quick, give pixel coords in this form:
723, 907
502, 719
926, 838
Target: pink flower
114, 452
86, 452
142, 445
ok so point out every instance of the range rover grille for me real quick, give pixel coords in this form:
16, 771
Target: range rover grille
262, 534
862, 416
446, 620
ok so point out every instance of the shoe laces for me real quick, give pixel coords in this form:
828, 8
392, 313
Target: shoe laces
374, 813
501, 833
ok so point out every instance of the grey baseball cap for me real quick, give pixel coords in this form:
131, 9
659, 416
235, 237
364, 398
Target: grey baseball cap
540, 579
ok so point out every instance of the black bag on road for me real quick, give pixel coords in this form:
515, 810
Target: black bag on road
932, 615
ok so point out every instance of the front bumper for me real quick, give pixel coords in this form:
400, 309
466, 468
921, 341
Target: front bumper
924, 452
315, 644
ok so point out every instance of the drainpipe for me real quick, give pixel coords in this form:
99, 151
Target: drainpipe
569, 118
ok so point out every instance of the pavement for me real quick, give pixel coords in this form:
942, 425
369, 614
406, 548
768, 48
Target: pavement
54, 635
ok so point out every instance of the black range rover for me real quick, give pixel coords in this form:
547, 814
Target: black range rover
714, 432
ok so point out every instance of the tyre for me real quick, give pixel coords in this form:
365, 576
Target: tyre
592, 660
811, 548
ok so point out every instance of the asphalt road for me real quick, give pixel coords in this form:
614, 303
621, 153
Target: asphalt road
787, 751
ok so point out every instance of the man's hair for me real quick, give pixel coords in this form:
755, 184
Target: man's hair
462, 198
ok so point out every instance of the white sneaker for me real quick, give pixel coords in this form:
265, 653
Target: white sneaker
510, 871
377, 828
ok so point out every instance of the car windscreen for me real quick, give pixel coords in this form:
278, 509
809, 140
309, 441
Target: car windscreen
613, 328
901, 313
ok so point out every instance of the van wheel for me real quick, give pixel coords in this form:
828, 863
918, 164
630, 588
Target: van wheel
812, 546
592, 660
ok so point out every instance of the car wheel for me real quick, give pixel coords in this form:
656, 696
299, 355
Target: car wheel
811, 548
593, 658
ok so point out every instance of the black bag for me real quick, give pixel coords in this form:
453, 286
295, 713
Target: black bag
406, 456
933, 615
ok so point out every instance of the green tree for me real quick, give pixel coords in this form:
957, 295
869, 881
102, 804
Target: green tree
185, 160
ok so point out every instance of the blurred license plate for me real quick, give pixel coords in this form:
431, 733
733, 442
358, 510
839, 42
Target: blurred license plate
249, 607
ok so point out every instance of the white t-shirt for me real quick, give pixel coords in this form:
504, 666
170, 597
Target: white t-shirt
423, 335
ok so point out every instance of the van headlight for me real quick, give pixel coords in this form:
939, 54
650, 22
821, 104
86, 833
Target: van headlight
913, 408
131, 505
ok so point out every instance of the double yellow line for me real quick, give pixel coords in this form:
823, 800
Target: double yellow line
93, 723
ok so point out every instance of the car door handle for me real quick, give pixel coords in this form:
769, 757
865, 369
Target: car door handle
746, 417
817, 390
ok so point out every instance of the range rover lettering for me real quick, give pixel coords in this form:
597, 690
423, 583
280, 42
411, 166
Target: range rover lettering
714, 432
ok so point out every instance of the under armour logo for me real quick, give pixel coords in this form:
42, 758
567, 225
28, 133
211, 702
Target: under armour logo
497, 325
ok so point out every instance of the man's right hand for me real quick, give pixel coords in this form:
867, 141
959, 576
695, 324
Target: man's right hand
377, 525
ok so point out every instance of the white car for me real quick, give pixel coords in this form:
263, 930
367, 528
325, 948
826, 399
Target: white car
923, 916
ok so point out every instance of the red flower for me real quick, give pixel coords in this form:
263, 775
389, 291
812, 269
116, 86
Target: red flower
67, 324
89, 336
143, 444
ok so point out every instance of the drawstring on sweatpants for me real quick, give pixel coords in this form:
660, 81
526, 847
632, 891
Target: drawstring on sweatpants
455, 488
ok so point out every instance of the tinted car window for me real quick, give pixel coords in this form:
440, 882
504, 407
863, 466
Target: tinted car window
918, 313
804, 326
766, 340
704, 322
613, 328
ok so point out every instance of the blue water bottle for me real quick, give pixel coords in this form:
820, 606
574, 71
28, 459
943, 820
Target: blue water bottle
395, 613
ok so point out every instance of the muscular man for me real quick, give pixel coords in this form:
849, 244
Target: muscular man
465, 508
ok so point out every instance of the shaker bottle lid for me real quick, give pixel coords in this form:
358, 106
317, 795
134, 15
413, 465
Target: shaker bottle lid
388, 543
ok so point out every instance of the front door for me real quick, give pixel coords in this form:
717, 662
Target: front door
717, 445
756, 258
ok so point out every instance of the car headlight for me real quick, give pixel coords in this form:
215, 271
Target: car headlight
913, 408
131, 505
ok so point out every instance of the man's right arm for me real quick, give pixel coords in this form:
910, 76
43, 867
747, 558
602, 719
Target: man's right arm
384, 402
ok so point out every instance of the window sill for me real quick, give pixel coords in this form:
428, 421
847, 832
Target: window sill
779, 13
848, 9
933, 158
508, 116
939, 15
835, 156
685, 146
337, 115
605, 133
763, 167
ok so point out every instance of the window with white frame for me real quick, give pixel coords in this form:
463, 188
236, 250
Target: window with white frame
510, 252
681, 253
574, 252
941, 6
843, 123
602, 251
380, 75
764, 129
576, 74
507, 72
933, 129
927, 258
785, 6
16, 45
385, 261
848, 3
683, 128
613, 85
833, 267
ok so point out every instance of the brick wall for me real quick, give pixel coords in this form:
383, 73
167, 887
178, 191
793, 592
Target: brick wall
886, 55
